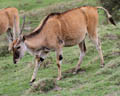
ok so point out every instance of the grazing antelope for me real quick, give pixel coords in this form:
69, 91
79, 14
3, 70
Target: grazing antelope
7, 22
58, 30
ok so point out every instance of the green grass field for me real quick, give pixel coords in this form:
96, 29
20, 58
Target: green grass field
91, 81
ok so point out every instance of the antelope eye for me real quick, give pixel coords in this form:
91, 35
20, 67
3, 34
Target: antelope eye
18, 47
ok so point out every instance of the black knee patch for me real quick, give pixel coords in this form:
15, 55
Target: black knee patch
60, 57
41, 59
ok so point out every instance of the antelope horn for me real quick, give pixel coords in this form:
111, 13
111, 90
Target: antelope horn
14, 30
22, 25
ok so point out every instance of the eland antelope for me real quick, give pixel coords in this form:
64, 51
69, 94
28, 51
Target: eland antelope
9, 19
60, 30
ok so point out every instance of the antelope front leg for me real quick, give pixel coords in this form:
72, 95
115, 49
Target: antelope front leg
59, 61
38, 61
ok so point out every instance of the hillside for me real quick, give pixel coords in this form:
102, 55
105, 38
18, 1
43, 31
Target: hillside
90, 81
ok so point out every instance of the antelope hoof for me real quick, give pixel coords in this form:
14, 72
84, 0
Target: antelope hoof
75, 72
102, 65
31, 82
59, 78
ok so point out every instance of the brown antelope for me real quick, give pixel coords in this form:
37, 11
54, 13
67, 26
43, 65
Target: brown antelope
7, 22
58, 30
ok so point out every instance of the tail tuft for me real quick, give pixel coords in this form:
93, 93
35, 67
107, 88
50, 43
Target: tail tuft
112, 21
108, 15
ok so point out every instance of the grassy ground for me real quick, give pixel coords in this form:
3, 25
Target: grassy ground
92, 81
28, 4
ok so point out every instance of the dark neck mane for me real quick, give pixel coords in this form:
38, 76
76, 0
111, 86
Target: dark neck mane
41, 27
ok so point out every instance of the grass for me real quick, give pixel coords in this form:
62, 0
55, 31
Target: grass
91, 81
33, 17
27, 5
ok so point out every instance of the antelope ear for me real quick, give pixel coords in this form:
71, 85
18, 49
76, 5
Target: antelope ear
22, 25
22, 38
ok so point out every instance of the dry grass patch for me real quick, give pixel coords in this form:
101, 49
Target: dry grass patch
43, 86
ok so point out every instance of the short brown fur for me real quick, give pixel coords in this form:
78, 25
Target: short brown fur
7, 22
63, 30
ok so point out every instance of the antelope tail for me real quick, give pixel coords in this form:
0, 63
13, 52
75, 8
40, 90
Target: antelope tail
108, 15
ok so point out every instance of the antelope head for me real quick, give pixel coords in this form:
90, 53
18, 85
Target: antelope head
18, 47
